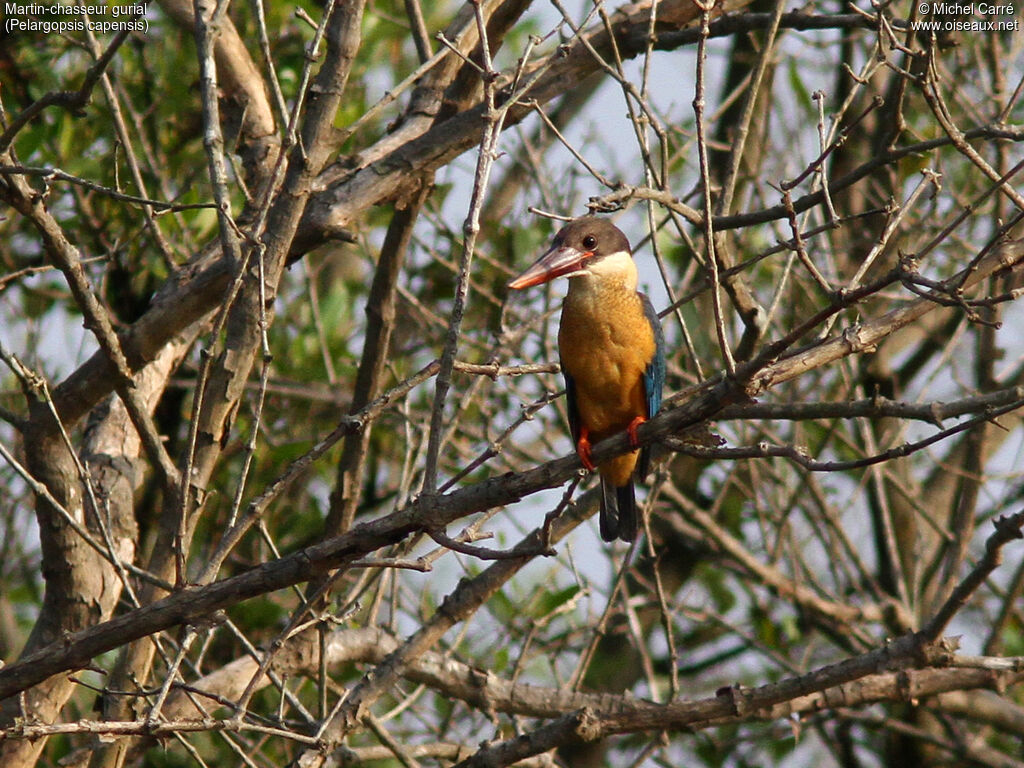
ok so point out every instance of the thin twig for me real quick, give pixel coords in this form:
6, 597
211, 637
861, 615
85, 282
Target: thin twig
724, 345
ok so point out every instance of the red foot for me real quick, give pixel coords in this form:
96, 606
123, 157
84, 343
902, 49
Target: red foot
634, 441
583, 449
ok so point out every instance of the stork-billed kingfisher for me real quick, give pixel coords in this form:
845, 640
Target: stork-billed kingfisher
612, 354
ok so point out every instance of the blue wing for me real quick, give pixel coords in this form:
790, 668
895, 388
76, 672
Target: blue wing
654, 378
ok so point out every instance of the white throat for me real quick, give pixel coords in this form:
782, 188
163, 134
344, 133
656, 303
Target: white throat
616, 267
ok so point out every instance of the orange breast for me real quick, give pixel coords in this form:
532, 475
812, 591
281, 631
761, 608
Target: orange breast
606, 342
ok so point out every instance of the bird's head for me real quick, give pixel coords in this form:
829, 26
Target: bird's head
585, 246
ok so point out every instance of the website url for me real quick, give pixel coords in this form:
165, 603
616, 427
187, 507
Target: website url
966, 25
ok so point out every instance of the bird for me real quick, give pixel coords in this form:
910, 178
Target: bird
612, 354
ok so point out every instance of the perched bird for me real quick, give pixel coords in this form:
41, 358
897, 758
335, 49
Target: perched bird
612, 353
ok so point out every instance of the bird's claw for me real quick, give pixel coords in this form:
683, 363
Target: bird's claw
583, 450
634, 440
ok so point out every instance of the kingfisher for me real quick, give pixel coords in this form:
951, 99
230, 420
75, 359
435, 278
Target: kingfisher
612, 354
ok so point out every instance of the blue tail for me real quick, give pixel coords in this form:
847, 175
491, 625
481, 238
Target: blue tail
618, 512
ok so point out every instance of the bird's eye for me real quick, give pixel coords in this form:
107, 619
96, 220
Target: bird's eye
590, 242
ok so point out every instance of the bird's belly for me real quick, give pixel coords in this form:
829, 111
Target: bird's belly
606, 361
609, 392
